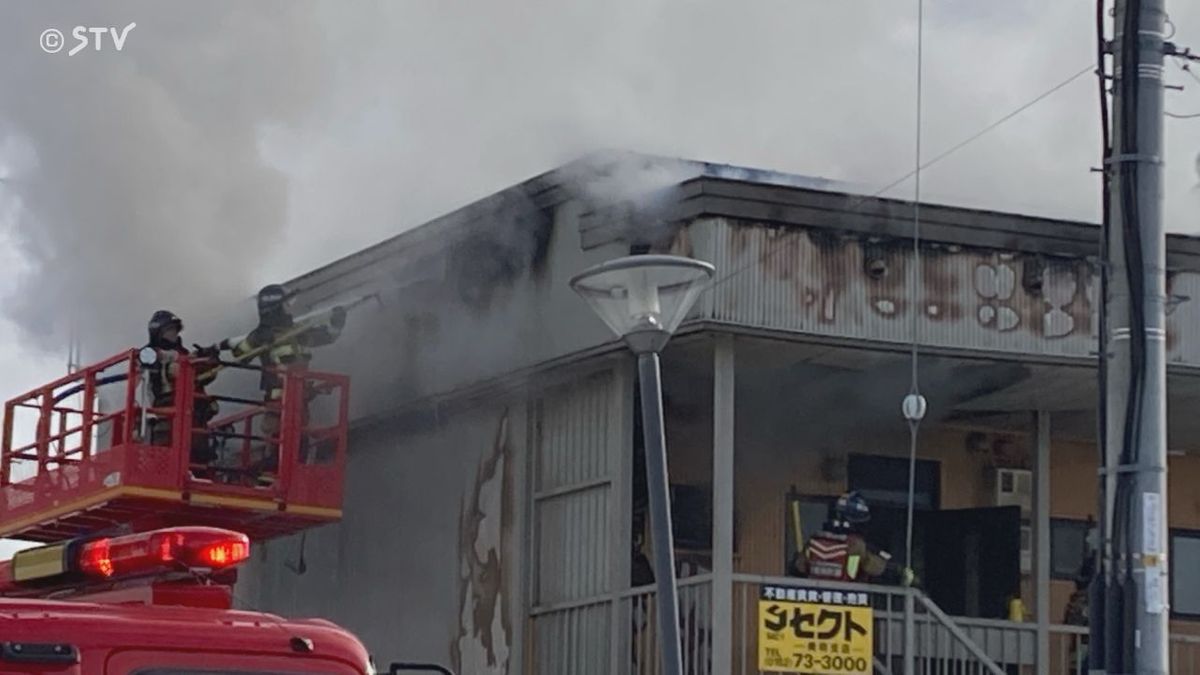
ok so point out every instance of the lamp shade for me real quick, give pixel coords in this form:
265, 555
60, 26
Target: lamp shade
643, 293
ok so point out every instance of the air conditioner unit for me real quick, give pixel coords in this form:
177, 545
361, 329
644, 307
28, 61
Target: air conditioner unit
1014, 487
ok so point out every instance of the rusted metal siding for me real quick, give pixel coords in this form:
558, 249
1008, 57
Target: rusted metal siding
852, 286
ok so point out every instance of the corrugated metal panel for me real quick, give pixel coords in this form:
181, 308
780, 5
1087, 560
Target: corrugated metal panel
574, 456
1183, 318
820, 282
573, 428
574, 641
573, 542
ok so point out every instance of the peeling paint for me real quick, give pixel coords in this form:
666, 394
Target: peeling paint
483, 644
1007, 319
987, 314
835, 283
995, 282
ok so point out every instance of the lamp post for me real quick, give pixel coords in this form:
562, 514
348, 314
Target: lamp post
643, 299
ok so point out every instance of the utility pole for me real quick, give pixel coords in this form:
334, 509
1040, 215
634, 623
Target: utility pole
1136, 608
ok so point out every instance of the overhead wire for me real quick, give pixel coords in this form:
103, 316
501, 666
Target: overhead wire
862, 200
1187, 68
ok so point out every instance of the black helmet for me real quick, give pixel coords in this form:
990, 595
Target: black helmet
160, 321
852, 508
271, 299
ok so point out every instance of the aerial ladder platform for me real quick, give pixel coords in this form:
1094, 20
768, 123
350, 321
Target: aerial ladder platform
80, 456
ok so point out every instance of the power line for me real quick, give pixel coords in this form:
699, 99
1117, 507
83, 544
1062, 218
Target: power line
1185, 67
783, 245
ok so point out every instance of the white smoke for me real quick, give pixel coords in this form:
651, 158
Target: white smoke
140, 184
231, 143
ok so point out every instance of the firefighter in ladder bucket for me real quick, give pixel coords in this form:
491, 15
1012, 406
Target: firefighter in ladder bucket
165, 329
279, 342
839, 552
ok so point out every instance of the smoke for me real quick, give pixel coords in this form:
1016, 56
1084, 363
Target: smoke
140, 183
235, 143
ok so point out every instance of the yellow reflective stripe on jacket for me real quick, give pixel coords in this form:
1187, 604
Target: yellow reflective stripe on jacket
242, 348
285, 350
852, 563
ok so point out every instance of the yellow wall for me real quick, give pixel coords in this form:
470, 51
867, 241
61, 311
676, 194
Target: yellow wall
765, 473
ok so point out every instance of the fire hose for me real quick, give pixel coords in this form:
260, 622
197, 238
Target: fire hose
303, 325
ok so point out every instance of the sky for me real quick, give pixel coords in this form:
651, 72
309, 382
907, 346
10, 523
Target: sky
229, 144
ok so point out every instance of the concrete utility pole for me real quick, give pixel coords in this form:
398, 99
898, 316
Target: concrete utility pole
1135, 549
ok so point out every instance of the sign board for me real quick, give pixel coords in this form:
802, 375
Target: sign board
808, 630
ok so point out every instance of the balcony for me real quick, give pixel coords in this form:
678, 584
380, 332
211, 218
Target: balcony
757, 427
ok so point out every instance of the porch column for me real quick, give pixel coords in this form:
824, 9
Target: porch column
1041, 534
722, 546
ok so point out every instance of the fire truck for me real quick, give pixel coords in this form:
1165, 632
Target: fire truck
140, 548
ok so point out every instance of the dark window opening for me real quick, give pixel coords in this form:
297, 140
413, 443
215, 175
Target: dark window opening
883, 481
1185, 573
1068, 547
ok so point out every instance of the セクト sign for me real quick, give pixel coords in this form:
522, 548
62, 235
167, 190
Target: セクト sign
815, 631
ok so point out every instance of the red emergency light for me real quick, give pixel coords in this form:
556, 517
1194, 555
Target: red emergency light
194, 550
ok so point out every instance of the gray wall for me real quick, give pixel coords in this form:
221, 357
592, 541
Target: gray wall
481, 303
426, 562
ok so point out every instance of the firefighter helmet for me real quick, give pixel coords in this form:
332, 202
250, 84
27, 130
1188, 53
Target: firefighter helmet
161, 321
852, 508
271, 299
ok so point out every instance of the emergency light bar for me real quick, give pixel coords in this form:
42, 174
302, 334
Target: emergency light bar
193, 549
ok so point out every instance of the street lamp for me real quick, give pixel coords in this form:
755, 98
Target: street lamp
643, 299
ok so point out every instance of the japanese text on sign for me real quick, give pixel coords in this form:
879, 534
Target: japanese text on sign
815, 631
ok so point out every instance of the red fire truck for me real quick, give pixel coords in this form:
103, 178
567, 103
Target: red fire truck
140, 549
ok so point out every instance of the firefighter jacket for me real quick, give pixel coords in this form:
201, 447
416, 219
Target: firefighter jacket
835, 556
165, 370
284, 344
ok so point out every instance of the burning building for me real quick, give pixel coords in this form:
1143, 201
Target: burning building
495, 503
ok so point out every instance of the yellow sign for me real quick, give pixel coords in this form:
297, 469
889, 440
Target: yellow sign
806, 630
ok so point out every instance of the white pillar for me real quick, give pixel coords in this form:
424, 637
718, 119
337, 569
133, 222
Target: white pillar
723, 477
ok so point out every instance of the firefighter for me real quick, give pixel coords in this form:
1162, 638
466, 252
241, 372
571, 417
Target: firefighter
282, 344
164, 331
840, 553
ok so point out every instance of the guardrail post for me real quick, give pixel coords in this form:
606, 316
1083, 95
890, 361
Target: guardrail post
910, 634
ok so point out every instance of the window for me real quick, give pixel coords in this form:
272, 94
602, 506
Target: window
883, 481
1068, 547
1185, 577
814, 513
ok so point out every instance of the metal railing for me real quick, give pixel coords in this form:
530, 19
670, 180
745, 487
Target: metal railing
618, 633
